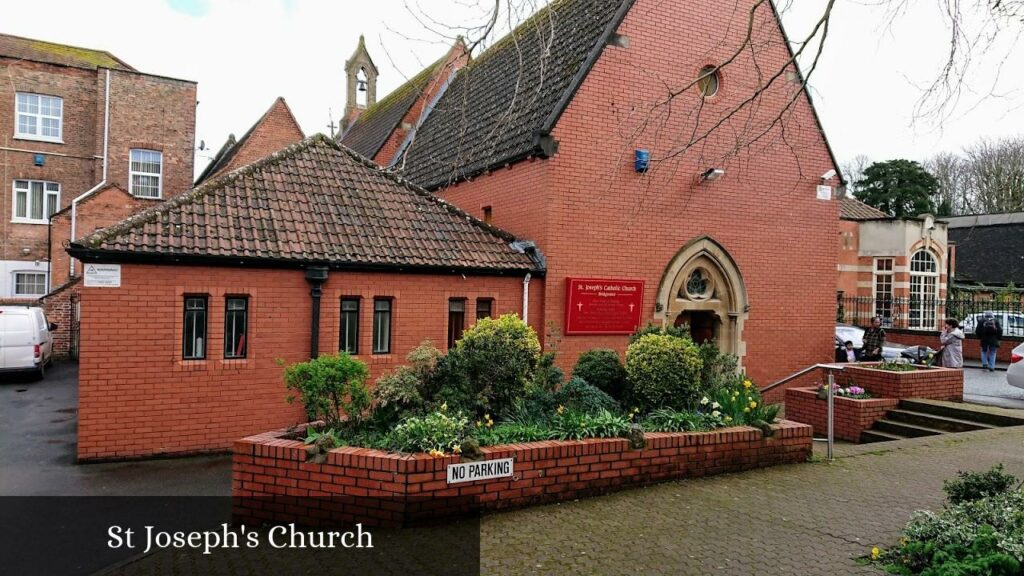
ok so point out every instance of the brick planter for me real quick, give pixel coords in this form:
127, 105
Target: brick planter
851, 416
272, 482
924, 382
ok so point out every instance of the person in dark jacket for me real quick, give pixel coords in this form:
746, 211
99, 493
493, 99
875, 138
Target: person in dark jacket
874, 340
989, 332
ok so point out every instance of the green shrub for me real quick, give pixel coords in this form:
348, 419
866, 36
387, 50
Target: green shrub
971, 486
496, 361
571, 425
400, 393
677, 331
510, 433
662, 371
330, 435
664, 420
536, 407
740, 403
332, 389
579, 395
548, 376
437, 432
602, 368
718, 369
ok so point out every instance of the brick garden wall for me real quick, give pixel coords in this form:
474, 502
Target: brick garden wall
137, 397
850, 416
934, 383
272, 481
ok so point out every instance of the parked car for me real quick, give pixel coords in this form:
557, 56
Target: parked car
1015, 373
1012, 323
26, 344
890, 351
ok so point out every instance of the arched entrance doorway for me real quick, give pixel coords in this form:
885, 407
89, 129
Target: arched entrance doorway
703, 289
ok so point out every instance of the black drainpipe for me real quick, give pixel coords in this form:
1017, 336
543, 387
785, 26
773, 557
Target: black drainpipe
316, 276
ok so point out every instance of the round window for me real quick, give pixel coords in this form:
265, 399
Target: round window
698, 285
708, 81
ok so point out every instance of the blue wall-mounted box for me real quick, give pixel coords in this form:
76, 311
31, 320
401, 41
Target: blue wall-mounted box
643, 160
39, 159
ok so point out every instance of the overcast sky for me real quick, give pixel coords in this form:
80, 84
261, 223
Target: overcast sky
244, 53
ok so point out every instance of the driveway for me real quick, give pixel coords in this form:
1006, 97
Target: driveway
38, 427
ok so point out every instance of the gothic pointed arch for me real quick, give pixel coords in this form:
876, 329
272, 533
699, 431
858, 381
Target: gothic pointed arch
702, 287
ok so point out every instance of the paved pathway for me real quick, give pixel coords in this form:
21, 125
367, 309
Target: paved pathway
984, 387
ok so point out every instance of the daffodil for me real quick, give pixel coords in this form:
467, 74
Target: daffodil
444, 407
716, 405
746, 410
457, 449
728, 418
436, 453
747, 383
704, 401
561, 409
753, 404
636, 410
478, 424
875, 553
716, 413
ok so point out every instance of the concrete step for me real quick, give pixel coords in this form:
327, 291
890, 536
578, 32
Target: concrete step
960, 411
934, 421
903, 429
869, 436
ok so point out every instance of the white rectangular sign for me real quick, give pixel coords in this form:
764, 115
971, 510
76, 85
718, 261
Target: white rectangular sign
483, 470
824, 192
103, 275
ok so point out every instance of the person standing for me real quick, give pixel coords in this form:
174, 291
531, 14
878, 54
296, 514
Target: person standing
989, 332
874, 340
952, 339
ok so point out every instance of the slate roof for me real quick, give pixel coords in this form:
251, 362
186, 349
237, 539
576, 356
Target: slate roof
483, 121
375, 124
853, 209
60, 54
313, 202
990, 255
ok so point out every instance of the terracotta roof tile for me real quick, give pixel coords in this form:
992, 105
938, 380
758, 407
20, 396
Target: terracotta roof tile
313, 202
853, 209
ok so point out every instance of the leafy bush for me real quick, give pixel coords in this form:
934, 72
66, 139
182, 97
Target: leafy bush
677, 331
662, 371
602, 368
548, 376
718, 369
579, 395
571, 425
498, 360
971, 486
329, 435
400, 393
510, 433
536, 407
330, 387
664, 420
436, 433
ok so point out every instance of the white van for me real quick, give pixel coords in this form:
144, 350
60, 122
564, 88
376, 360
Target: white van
25, 341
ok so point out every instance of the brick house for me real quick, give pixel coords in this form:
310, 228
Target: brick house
310, 250
86, 140
896, 268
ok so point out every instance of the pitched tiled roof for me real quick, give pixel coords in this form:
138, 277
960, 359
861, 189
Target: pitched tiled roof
373, 127
60, 54
274, 130
991, 255
853, 209
498, 106
313, 202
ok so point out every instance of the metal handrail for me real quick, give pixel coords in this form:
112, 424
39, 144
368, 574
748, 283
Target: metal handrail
829, 395
800, 373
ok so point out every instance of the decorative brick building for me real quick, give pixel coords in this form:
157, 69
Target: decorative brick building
87, 140
537, 136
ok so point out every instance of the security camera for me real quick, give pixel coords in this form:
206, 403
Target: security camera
828, 175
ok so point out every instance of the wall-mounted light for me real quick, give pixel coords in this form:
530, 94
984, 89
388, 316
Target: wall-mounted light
712, 174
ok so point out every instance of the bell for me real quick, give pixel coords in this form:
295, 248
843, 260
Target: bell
361, 85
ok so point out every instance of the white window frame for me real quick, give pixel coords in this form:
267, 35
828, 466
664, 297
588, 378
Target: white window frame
39, 116
14, 283
884, 310
924, 288
159, 175
28, 201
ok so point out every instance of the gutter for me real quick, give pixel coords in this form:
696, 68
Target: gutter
103, 182
316, 276
526, 297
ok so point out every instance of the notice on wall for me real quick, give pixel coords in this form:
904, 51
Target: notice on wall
603, 306
103, 275
483, 470
824, 192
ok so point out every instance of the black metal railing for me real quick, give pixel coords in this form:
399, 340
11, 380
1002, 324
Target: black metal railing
929, 314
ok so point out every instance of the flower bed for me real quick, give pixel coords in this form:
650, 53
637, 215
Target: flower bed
272, 481
851, 415
919, 382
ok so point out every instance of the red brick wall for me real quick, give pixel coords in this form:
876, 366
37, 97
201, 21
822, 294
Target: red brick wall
59, 306
399, 488
850, 416
275, 130
972, 346
594, 217
934, 383
137, 397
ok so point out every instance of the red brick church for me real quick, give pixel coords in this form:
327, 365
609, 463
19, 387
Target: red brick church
546, 176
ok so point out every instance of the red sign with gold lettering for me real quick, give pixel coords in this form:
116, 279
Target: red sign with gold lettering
603, 306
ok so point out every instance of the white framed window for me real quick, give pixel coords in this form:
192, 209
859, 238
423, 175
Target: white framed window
145, 172
30, 284
924, 281
35, 201
39, 117
883, 289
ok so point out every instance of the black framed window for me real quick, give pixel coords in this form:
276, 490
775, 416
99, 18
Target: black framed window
349, 325
381, 325
456, 320
236, 326
484, 308
194, 346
